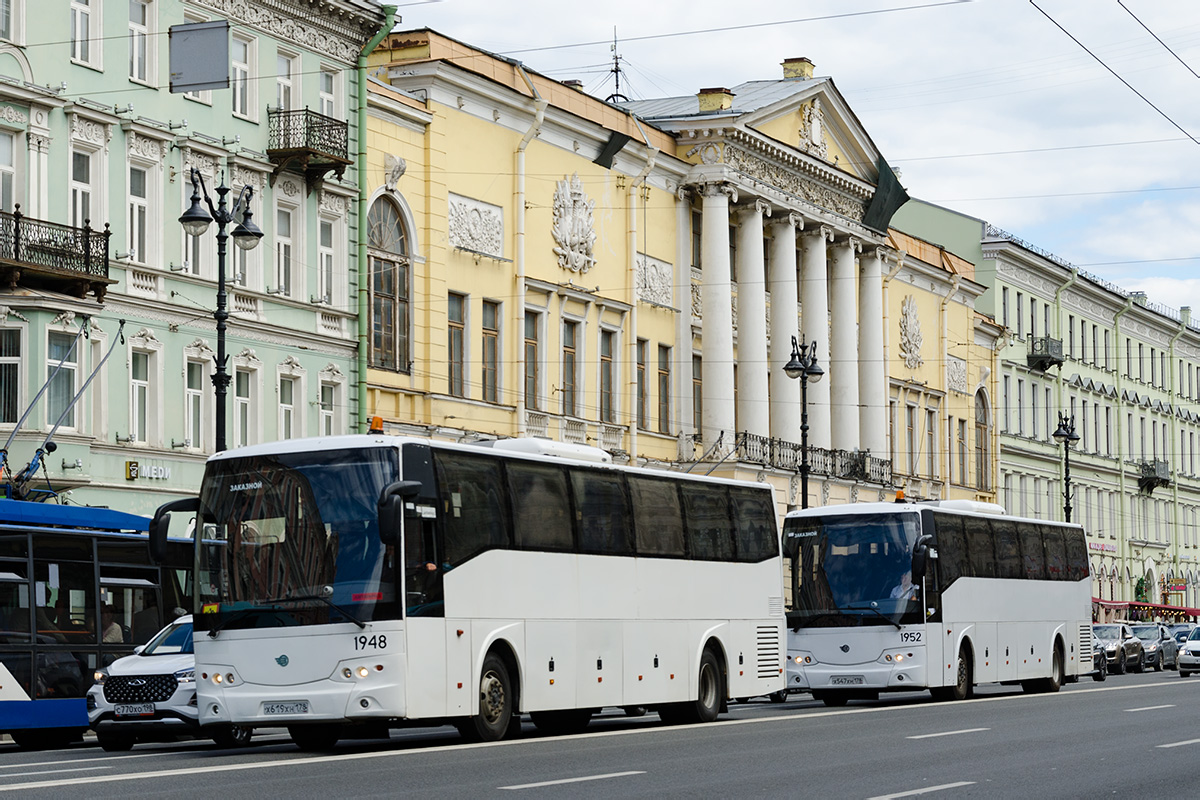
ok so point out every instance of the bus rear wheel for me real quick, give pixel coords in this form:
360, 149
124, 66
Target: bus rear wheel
831, 699
45, 738
315, 738
571, 720
495, 709
710, 686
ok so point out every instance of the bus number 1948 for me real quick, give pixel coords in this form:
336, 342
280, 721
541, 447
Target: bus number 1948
375, 642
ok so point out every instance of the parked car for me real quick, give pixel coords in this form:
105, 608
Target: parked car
1099, 669
1181, 631
151, 695
1189, 654
1159, 649
1122, 649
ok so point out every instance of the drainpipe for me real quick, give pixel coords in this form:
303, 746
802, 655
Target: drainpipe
518, 339
651, 157
945, 332
364, 304
1185, 316
1121, 438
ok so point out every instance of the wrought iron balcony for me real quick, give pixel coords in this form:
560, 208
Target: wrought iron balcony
1044, 353
306, 142
1154, 473
46, 255
848, 464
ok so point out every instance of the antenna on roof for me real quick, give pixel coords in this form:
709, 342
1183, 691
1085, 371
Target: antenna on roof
616, 96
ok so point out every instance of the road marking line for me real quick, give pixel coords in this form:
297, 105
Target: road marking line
1179, 744
1150, 708
52, 772
947, 733
926, 790
574, 780
64, 761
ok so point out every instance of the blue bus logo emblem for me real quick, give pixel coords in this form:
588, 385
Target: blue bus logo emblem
282, 661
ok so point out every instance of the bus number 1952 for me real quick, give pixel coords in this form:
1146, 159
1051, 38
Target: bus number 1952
375, 642
907, 637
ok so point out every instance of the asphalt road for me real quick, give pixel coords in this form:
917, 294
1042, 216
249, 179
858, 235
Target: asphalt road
1134, 734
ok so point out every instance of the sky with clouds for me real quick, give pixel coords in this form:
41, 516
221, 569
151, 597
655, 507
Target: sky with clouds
985, 106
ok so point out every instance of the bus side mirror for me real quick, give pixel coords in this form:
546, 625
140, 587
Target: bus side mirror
920, 557
391, 508
161, 522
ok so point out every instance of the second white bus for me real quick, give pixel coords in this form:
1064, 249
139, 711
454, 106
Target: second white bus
369, 580
939, 596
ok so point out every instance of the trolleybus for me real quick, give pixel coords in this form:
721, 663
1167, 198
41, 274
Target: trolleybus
939, 596
371, 580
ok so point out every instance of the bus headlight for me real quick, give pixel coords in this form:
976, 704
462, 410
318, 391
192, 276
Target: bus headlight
801, 658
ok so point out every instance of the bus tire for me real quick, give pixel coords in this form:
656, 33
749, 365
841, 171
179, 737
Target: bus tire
494, 711
315, 738
777, 697
116, 742
710, 690
232, 736
1055, 681
567, 721
831, 699
45, 738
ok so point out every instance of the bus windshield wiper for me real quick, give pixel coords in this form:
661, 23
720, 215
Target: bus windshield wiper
874, 607
239, 614
322, 596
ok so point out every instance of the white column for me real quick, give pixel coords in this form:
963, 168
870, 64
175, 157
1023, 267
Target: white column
785, 391
843, 346
716, 302
814, 317
872, 368
753, 403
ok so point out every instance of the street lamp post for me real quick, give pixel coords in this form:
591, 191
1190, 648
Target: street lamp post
1066, 435
803, 365
195, 222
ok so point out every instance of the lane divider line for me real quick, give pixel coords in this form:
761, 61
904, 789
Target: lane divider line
925, 790
1149, 708
1178, 744
947, 733
574, 780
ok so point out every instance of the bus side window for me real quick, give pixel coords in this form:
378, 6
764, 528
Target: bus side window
1032, 553
541, 509
757, 537
1008, 549
709, 528
952, 549
474, 515
1056, 555
980, 547
601, 512
1076, 546
658, 520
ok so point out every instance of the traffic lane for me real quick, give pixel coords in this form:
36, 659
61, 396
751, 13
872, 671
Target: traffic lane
1029, 743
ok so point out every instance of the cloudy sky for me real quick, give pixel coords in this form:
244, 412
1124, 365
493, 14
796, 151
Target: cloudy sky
985, 106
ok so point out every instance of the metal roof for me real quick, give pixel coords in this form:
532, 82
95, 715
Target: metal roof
747, 97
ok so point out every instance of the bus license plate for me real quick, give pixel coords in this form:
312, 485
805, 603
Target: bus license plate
135, 710
847, 680
294, 707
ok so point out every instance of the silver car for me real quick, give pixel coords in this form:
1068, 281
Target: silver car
1158, 646
1189, 654
1122, 649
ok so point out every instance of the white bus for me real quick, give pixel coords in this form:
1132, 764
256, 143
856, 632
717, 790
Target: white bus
941, 596
370, 579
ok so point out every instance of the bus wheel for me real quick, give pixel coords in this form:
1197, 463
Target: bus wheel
777, 697
233, 736
313, 738
44, 738
571, 720
710, 688
831, 699
1055, 681
495, 704
115, 742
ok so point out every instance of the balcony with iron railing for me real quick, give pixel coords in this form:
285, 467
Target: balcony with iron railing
306, 142
35, 253
1153, 473
858, 465
1044, 353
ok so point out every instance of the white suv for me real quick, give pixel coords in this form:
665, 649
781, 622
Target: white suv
151, 695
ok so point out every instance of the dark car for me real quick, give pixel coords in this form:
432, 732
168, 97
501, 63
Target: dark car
1159, 648
1122, 649
1181, 631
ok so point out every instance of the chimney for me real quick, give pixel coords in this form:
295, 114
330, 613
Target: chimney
800, 68
713, 100
573, 84
1139, 297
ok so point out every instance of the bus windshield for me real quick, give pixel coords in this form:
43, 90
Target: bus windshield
852, 569
301, 538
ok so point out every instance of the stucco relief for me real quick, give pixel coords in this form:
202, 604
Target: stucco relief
956, 374
788, 180
290, 188
654, 280
710, 152
812, 130
333, 203
573, 225
1026, 277
13, 115
910, 334
475, 225
697, 298
205, 163
6, 312
89, 130
396, 167
143, 147
289, 28
243, 177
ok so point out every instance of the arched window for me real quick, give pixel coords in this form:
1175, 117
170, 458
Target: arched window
391, 280
983, 476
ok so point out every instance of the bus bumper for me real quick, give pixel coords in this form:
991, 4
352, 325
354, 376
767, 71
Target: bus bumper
909, 674
358, 689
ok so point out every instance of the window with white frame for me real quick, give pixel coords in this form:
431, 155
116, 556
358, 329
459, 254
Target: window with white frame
329, 92
286, 79
325, 261
10, 375
327, 404
243, 406
140, 41
139, 396
81, 187
61, 389
8, 19
241, 75
287, 408
8, 168
139, 212
194, 404
284, 250
84, 31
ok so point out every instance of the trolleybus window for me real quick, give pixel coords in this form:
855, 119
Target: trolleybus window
659, 519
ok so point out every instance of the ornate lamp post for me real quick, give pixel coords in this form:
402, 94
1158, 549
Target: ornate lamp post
246, 235
803, 365
1066, 435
